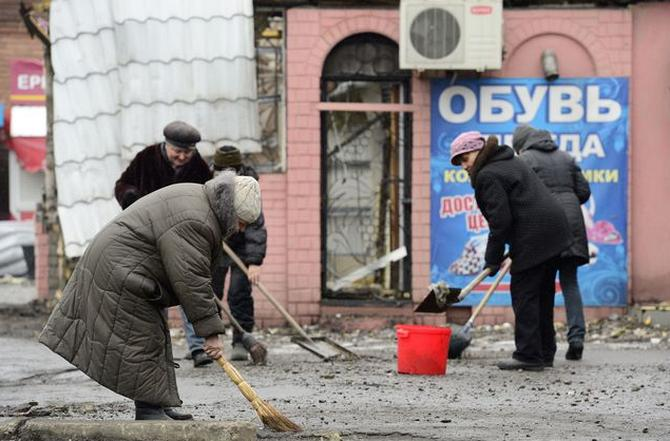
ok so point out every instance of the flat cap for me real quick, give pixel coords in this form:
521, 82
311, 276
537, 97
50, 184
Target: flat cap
180, 134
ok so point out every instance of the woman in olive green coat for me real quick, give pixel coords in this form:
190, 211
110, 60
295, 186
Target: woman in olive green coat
110, 322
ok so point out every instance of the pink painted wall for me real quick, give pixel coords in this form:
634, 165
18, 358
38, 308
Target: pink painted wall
650, 130
588, 42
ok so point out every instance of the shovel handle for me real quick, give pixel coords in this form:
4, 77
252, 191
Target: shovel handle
489, 293
476, 281
267, 295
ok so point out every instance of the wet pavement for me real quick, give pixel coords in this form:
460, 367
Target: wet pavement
619, 391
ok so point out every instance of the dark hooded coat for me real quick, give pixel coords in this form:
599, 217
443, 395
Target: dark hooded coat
155, 254
519, 209
561, 174
151, 170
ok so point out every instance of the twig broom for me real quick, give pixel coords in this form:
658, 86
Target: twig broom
269, 416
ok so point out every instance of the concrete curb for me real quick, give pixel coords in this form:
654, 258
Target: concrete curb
41, 429
9, 427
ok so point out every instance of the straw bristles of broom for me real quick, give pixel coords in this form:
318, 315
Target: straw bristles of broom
268, 415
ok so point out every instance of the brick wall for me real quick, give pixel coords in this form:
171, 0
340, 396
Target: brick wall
603, 34
41, 261
311, 34
14, 43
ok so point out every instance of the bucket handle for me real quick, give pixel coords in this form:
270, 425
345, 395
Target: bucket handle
402, 333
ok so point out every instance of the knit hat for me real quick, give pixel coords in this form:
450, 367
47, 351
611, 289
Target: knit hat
227, 156
247, 201
182, 135
464, 143
520, 136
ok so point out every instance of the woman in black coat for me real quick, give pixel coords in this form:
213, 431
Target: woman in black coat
522, 214
561, 174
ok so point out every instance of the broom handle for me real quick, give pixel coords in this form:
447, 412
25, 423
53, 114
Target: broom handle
231, 319
267, 295
489, 292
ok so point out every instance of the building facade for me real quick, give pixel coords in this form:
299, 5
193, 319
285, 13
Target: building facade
589, 42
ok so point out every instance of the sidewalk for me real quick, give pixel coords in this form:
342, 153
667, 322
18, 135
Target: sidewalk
71, 430
16, 290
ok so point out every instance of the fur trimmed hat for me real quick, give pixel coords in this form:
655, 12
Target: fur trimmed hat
247, 201
182, 135
464, 143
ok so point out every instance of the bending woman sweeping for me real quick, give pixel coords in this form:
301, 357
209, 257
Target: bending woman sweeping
521, 213
157, 253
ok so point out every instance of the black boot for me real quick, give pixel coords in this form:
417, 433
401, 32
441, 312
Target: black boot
575, 351
172, 413
147, 411
200, 358
515, 365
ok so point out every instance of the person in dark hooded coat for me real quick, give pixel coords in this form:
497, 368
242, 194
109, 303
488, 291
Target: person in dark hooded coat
561, 174
521, 213
250, 246
155, 254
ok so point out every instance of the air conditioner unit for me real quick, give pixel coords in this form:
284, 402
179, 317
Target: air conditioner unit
451, 34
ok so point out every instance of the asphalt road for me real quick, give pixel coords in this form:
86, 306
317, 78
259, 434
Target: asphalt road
619, 391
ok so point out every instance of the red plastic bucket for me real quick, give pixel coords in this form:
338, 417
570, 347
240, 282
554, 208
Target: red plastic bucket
422, 350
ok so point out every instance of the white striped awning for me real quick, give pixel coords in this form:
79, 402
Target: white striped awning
123, 69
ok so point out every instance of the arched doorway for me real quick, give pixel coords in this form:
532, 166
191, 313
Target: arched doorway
365, 173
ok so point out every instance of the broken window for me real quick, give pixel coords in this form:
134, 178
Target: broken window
366, 160
269, 32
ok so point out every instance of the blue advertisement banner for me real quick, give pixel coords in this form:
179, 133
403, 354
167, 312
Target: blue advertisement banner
588, 118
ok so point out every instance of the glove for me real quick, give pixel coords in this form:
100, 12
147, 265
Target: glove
493, 267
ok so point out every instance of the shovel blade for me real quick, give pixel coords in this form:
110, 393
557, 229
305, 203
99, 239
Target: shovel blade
438, 301
459, 341
324, 348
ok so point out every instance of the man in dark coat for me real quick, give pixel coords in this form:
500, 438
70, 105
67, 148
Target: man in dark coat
155, 254
174, 161
250, 245
521, 213
159, 165
561, 174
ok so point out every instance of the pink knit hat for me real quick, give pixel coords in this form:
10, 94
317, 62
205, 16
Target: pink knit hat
466, 142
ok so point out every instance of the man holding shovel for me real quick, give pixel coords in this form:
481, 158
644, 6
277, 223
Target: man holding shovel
521, 213
155, 254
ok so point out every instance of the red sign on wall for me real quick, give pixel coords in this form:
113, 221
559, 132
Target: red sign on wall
27, 81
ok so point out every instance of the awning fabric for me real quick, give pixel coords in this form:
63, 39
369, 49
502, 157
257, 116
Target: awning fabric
25, 129
31, 152
123, 69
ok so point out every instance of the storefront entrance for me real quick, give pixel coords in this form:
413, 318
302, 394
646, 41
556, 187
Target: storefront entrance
365, 173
